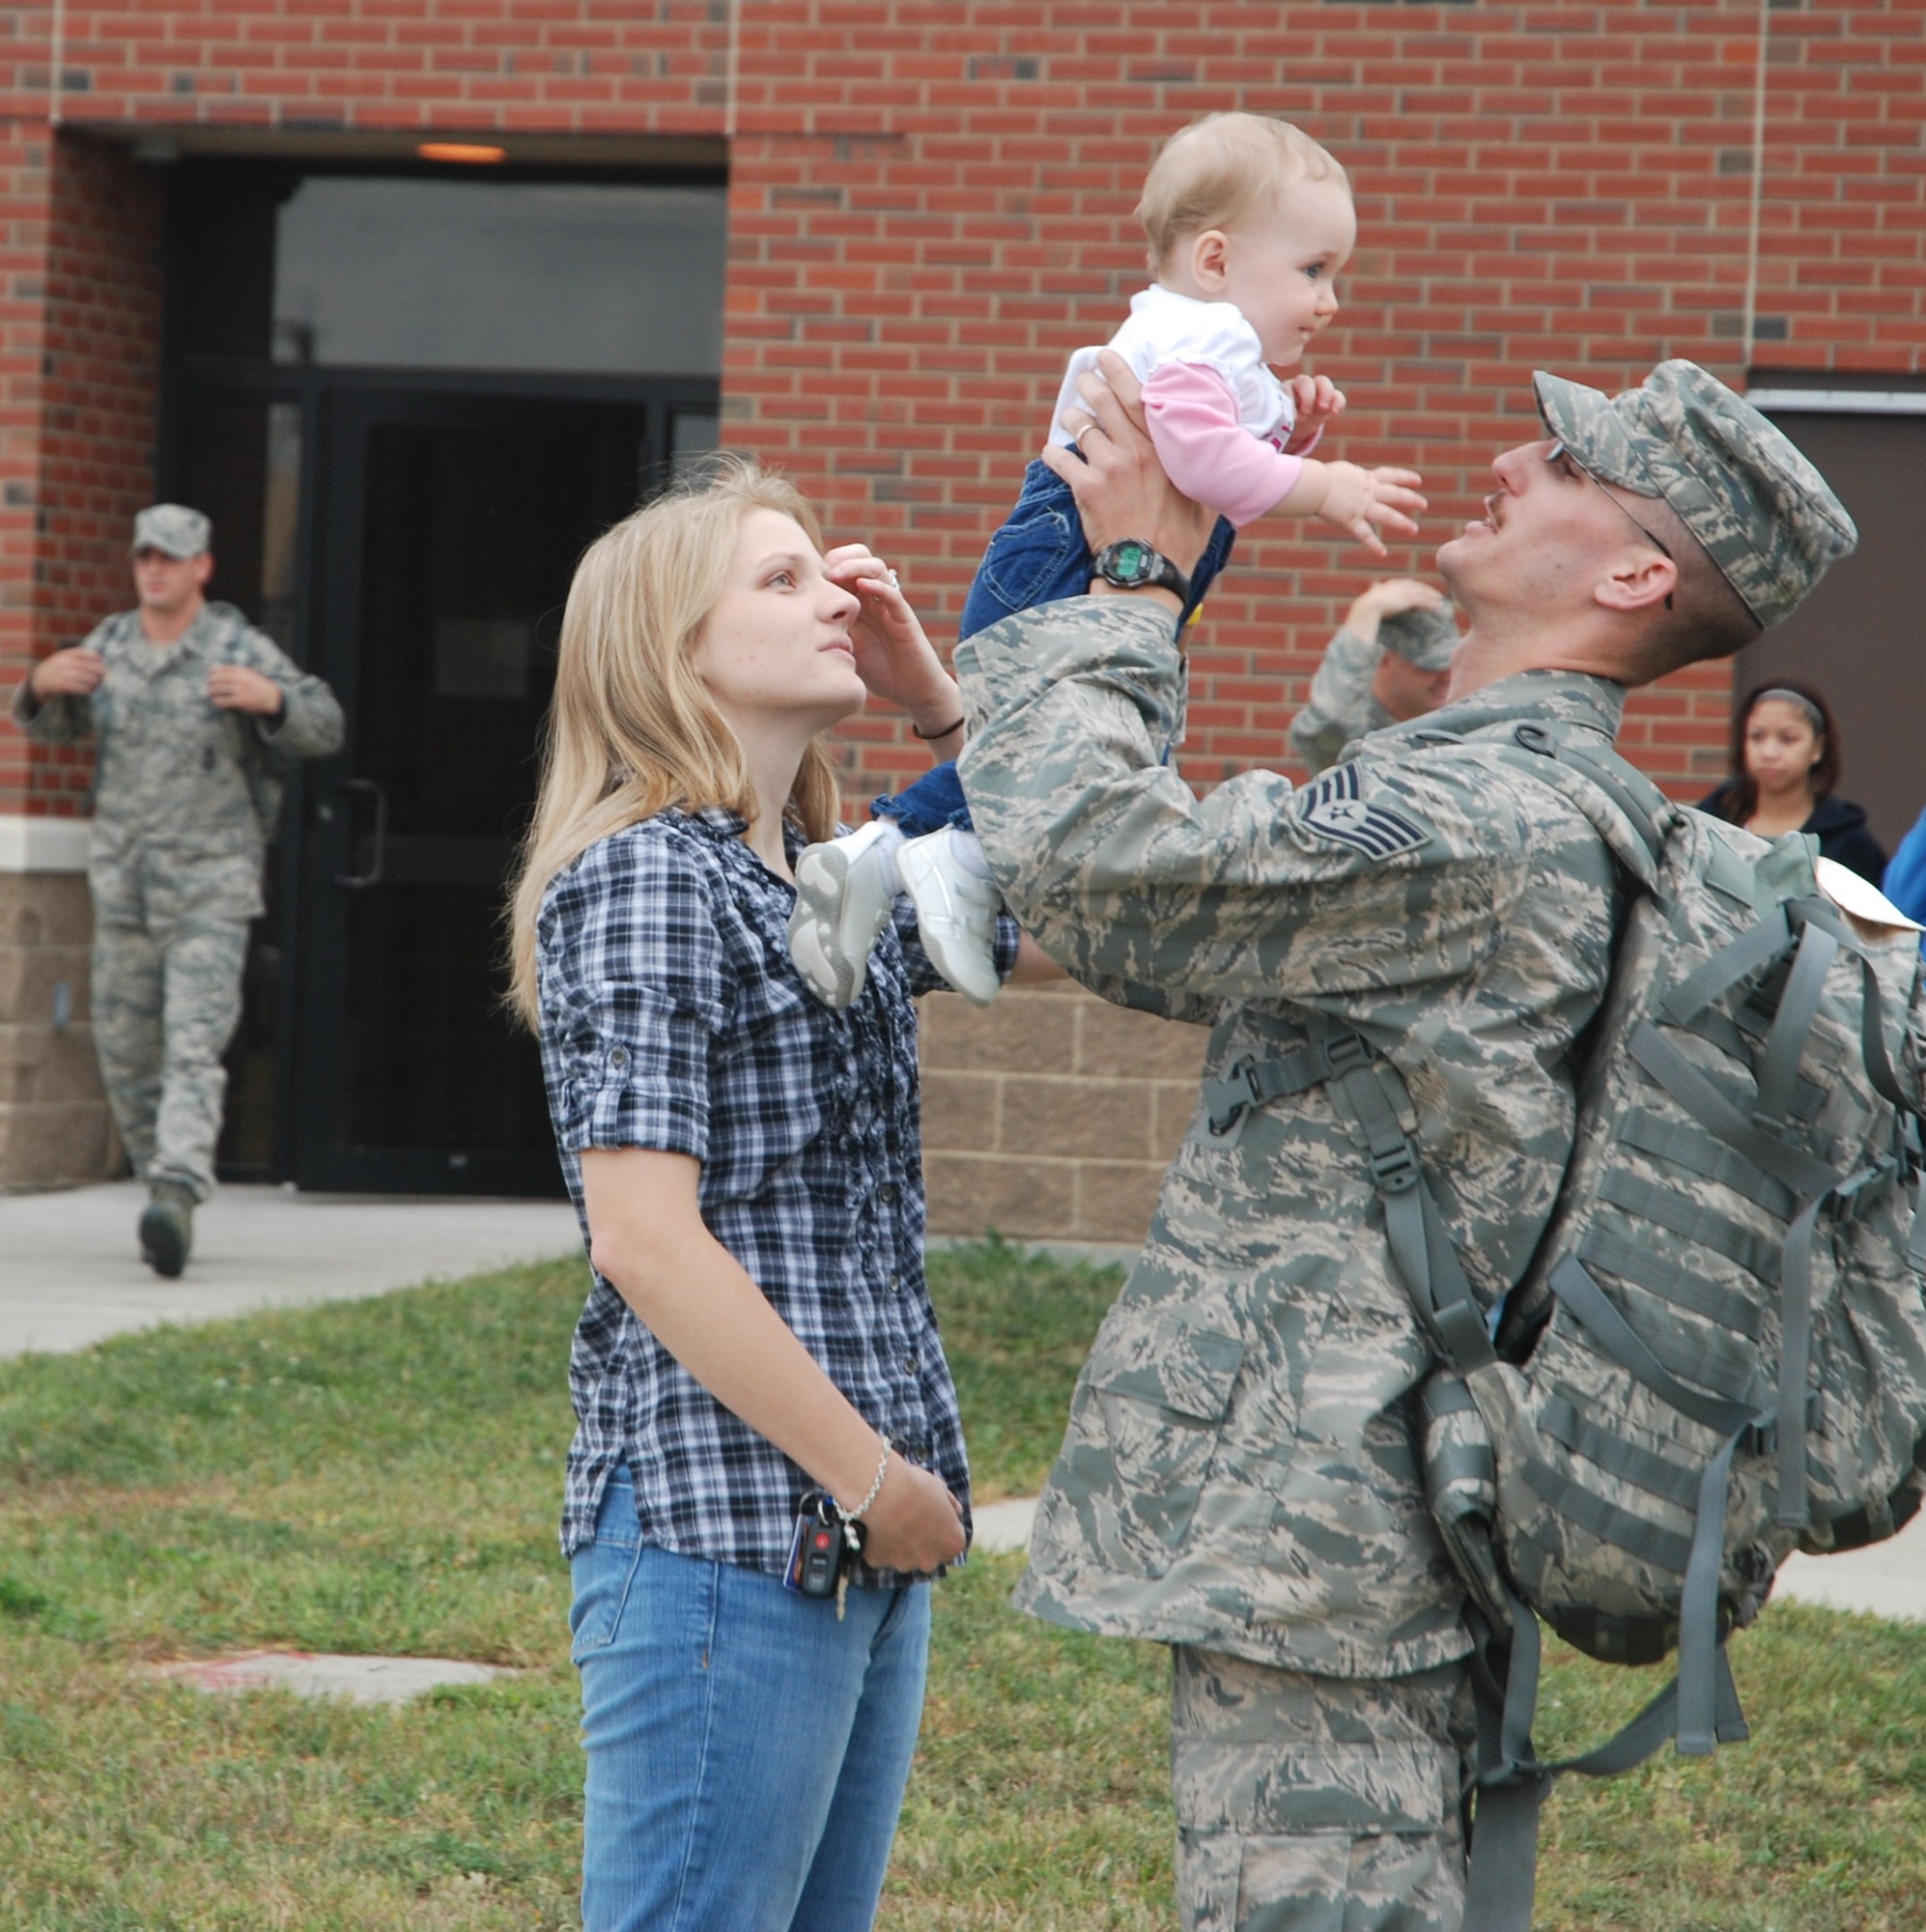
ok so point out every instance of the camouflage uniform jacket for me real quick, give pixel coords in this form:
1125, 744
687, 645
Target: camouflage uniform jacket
184, 793
1341, 705
1238, 1470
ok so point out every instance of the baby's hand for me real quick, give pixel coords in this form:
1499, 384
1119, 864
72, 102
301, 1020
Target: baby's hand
1319, 403
1357, 501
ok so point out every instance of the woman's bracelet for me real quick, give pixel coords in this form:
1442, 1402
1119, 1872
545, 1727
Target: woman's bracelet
930, 737
875, 1489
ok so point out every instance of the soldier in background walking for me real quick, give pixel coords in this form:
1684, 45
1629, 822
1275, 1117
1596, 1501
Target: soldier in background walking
196, 717
1389, 663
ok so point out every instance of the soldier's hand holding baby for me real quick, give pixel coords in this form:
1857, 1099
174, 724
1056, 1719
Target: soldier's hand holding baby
233, 687
72, 673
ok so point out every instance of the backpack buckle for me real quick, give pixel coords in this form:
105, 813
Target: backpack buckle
1394, 1169
1232, 1095
1345, 1052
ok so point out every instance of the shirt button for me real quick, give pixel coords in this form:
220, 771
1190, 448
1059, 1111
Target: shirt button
896, 1284
619, 1058
909, 1365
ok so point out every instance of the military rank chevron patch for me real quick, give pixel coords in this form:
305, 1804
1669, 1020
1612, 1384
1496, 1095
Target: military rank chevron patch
1334, 807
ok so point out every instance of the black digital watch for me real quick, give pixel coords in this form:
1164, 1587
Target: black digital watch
1133, 565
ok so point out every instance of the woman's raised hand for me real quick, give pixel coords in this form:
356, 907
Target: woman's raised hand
894, 654
913, 1523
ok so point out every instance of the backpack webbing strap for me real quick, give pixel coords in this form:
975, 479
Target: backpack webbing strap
1801, 1172
1512, 1779
1698, 1602
1644, 1541
1728, 967
1572, 1282
1636, 822
1687, 1144
1421, 1247
1560, 1419
1706, 1227
1798, 1008
1795, 1508
1756, 943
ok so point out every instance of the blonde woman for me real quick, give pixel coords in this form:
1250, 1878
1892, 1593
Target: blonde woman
747, 1168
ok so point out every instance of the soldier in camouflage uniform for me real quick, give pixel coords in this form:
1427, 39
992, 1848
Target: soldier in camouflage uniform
1390, 662
1238, 1477
195, 716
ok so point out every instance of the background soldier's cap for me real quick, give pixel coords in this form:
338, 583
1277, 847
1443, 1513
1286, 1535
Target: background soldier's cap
173, 529
1425, 639
1766, 516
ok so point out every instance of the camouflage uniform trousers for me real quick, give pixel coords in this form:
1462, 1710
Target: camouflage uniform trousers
166, 1001
1318, 1803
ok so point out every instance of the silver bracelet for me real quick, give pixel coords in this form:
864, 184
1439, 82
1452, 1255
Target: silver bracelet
875, 1489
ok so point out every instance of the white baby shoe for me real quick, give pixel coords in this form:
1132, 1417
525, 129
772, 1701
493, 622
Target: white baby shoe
843, 890
956, 909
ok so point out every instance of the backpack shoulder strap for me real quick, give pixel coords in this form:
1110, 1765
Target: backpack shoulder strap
1627, 810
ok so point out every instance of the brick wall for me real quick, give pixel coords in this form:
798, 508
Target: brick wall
929, 206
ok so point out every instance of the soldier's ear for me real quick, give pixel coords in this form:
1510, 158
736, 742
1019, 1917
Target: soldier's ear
1639, 581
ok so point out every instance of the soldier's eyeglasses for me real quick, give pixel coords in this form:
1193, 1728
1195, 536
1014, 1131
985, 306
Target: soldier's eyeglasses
1559, 453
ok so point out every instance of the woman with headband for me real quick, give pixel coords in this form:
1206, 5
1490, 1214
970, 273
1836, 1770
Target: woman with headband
1785, 761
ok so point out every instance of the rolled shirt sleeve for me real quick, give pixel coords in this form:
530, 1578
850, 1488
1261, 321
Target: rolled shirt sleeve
636, 998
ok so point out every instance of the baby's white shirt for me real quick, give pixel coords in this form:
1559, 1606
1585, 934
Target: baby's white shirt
1165, 327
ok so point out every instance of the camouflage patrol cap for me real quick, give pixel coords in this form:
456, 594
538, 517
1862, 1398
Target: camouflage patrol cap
173, 529
1764, 516
1425, 638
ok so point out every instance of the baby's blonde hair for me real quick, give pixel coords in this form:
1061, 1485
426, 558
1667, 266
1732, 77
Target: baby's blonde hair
1219, 172
633, 730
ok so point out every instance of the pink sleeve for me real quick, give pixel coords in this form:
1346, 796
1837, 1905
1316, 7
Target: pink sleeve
1192, 417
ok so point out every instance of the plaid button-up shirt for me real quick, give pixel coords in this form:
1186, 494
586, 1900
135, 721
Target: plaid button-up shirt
672, 1018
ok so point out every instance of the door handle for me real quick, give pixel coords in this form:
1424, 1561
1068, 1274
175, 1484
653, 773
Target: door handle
355, 882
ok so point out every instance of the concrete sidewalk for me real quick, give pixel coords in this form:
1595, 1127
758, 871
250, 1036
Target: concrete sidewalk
70, 1272
70, 1269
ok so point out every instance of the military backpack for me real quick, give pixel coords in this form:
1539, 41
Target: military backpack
1718, 1353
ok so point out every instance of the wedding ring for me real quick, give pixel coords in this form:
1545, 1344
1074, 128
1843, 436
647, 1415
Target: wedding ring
896, 581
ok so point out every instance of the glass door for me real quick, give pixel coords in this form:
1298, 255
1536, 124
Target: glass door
451, 528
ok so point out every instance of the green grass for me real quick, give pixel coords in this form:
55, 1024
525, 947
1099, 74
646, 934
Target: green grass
384, 1476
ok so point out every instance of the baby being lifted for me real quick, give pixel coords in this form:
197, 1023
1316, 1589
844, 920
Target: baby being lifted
1250, 222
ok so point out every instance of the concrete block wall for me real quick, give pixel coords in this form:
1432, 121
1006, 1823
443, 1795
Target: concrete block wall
54, 1123
1051, 1112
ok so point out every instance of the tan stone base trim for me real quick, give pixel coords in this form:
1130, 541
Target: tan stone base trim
1051, 1115
54, 1124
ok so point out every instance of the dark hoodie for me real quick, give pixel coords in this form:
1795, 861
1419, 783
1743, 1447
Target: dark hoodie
1837, 823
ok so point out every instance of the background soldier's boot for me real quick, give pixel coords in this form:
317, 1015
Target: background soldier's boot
168, 1228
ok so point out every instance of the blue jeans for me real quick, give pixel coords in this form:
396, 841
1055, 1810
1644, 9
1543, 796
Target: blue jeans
1039, 556
935, 800
747, 1752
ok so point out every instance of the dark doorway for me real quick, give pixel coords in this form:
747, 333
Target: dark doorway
408, 402
1858, 637
457, 524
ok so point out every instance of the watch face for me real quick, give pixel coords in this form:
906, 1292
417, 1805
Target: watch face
1130, 562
